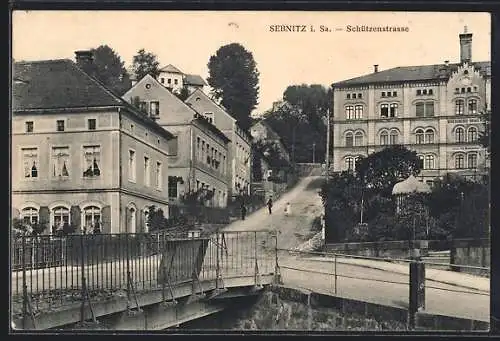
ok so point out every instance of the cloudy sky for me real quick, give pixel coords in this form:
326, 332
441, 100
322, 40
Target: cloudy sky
187, 39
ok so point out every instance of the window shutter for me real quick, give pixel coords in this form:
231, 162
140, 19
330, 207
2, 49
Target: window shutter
106, 219
76, 218
44, 218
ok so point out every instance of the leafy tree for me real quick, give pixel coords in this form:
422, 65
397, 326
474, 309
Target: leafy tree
19, 228
156, 219
145, 63
183, 94
383, 169
484, 136
110, 70
234, 78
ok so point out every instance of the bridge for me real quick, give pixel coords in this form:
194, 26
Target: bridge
135, 281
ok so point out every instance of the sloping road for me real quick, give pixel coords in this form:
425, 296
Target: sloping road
353, 281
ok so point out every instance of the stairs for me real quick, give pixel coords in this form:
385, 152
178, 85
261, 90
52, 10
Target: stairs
440, 257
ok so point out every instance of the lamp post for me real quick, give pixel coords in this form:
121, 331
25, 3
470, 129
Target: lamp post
314, 152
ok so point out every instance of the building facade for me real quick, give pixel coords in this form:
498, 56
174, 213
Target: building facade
199, 158
432, 109
173, 78
239, 151
81, 156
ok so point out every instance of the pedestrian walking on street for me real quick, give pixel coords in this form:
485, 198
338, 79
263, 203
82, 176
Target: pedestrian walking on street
288, 209
243, 211
270, 205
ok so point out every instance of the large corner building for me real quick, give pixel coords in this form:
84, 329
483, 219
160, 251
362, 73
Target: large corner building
432, 109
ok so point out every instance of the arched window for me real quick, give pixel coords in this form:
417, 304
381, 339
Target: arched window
459, 161
429, 162
348, 139
472, 134
384, 138
419, 136
358, 111
358, 139
429, 136
459, 107
472, 107
349, 112
394, 137
29, 215
60, 217
393, 112
459, 134
349, 163
472, 160
384, 110
92, 218
132, 219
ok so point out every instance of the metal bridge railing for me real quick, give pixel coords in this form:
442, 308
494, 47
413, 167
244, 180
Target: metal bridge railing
49, 273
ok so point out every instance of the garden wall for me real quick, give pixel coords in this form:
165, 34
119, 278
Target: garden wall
474, 252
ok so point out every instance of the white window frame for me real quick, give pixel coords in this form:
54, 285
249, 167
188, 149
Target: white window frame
37, 161
147, 170
52, 163
132, 168
65, 125
52, 207
84, 164
96, 123
159, 176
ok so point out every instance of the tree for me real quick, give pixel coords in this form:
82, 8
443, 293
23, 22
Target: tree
314, 101
156, 219
484, 137
183, 94
234, 78
145, 63
383, 169
109, 69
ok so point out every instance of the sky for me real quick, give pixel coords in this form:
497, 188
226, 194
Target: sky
187, 39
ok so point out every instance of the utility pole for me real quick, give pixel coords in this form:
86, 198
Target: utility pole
314, 152
327, 159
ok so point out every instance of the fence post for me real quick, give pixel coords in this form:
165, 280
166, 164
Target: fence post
25, 287
82, 266
128, 270
417, 291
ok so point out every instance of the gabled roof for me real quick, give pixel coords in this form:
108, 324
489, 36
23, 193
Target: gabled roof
412, 73
170, 68
203, 121
46, 85
272, 132
194, 80
50, 84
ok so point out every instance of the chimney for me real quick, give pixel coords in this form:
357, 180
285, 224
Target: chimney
375, 68
85, 60
446, 62
465, 46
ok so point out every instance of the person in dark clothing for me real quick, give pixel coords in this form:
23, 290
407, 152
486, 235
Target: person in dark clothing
270, 205
243, 211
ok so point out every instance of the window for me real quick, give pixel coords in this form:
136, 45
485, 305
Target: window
348, 96
132, 128
429, 162
92, 218
209, 117
429, 136
419, 136
420, 109
143, 106
459, 161
176, 81
172, 187
358, 111
419, 92
383, 93
162, 80
462, 90
92, 159
169, 81
349, 139
394, 93
349, 112
349, 163
459, 107
457, 90
472, 106
393, 110
60, 216
389, 94
384, 138
430, 91
60, 125
472, 160
469, 89
421, 161
459, 134
154, 108
131, 165
475, 88
158, 175
384, 110
429, 109
394, 137
353, 96
198, 147
360, 95
29, 215
424, 92
147, 171
91, 122
358, 139
29, 126
60, 161
30, 162
472, 134
208, 154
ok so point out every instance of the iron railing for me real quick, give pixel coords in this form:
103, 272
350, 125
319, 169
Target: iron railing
49, 273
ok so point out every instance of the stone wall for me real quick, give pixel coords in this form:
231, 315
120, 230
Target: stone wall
472, 252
